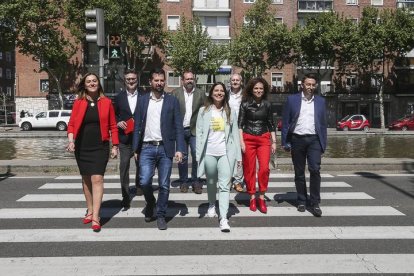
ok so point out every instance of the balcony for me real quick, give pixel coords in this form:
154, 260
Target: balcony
306, 6
407, 4
218, 27
219, 6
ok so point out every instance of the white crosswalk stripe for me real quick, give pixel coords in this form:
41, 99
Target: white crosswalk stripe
189, 224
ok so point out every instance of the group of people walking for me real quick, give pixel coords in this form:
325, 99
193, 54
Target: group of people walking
227, 131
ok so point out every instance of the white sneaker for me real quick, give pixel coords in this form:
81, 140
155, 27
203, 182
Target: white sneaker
224, 225
211, 212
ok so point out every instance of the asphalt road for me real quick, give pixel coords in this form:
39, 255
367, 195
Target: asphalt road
367, 227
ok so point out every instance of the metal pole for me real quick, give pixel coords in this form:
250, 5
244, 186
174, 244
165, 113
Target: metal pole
101, 65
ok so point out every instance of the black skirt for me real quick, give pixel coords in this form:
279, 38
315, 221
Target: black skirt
91, 153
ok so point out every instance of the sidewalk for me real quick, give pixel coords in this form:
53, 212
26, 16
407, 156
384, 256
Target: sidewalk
68, 166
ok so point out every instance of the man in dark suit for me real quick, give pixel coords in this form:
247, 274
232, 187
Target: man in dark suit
191, 99
158, 138
125, 107
304, 134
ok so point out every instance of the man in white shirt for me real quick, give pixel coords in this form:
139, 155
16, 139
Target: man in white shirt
234, 102
191, 99
125, 106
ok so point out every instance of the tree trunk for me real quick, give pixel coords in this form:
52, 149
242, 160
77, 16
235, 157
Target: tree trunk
58, 86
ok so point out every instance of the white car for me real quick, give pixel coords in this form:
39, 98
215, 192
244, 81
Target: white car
48, 119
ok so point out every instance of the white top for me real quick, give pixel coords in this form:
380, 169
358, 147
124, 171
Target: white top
216, 142
306, 120
153, 125
188, 107
235, 101
132, 100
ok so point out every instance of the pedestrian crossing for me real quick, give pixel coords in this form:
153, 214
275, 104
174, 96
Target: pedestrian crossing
47, 236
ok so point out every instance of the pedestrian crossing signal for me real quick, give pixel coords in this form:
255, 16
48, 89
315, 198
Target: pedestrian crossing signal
114, 51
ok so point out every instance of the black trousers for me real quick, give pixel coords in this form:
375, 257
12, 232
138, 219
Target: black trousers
126, 153
307, 148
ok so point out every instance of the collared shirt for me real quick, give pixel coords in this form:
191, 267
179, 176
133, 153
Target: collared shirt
306, 120
235, 101
132, 100
188, 106
153, 125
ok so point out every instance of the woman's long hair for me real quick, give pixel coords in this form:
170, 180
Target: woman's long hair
81, 89
248, 96
209, 100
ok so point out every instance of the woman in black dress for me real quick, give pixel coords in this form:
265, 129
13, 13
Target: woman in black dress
91, 125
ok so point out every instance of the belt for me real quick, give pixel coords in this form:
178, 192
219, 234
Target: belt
187, 127
154, 143
303, 135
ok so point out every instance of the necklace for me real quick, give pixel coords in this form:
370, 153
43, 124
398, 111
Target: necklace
92, 104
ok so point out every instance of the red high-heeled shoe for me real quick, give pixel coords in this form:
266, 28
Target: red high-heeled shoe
262, 206
87, 219
253, 206
96, 227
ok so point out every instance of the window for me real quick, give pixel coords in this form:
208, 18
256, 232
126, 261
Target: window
246, 21
352, 2
53, 114
65, 114
173, 80
44, 86
173, 0
9, 91
173, 22
277, 1
351, 82
279, 19
377, 2
354, 20
277, 81
1, 72
41, 115
8, 56
8, 74
249, 1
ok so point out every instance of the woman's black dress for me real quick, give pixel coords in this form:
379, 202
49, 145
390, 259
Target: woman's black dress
91, 152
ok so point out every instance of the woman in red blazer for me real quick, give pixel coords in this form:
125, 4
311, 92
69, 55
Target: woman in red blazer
92, 124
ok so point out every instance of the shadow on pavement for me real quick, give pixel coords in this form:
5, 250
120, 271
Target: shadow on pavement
112, 207
7, 174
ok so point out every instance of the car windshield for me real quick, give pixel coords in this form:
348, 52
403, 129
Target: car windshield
345, 118
406, 117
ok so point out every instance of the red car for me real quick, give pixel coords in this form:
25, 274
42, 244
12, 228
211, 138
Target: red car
404, 123
353, 122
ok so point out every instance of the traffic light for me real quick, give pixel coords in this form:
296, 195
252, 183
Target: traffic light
114, 50
98, 26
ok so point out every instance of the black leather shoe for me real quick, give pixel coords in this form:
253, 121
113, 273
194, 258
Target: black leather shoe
301, 208
316, 210
139, 192
162, 224
126, 203
149, 212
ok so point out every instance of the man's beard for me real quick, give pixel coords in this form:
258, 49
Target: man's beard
159, 89
189, 86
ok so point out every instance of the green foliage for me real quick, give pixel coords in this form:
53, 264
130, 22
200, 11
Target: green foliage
262, 43
137, 21
191, 48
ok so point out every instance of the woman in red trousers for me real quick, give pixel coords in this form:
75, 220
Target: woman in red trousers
257, 139
92, 124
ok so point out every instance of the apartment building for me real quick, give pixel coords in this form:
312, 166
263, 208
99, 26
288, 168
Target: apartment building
7, 78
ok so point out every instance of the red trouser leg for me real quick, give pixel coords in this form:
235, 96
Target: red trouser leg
249, 163
263, 156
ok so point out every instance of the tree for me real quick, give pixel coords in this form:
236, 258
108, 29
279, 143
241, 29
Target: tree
36, 29
383, 37
137, 21
191, 48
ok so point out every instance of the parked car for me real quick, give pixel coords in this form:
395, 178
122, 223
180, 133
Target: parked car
48, 119
353, 122
404, 123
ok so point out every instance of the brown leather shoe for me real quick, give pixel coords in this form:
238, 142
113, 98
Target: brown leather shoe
238, 187
183, 187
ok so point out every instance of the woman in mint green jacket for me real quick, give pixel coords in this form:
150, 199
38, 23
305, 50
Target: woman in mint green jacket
218, 149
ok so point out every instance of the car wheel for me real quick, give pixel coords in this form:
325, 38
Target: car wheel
61, 126
404, 128
366, 128
26, 126
346, 128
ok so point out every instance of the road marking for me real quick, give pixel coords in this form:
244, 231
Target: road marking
210, 264
195, 197
197, 212
175, 176
377, 174
29, 177
208, 234
117, 185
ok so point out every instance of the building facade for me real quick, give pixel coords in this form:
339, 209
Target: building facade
222, 19
7, 80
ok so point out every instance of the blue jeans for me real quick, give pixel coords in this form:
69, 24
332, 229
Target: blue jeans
152, 157
190, 140
307, 148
